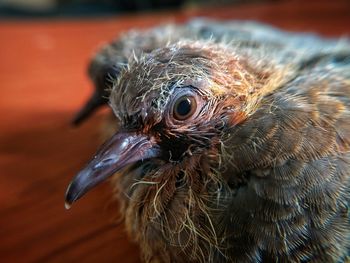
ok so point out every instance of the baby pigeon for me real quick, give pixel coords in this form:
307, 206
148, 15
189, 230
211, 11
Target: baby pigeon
233, 142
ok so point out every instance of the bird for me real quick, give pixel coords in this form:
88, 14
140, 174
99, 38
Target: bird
231, 144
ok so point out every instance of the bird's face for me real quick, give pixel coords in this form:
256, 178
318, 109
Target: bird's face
175, 106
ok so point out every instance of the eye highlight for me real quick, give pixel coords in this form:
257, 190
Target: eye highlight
184, 107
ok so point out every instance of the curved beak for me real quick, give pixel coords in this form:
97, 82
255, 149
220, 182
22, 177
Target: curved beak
119, 151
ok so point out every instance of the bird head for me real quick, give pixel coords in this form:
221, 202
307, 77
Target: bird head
101, 70
178, 108
174, 106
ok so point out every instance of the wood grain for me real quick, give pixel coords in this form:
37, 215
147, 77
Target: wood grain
43, 82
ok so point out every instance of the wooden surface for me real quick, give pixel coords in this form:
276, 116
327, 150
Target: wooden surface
42, 84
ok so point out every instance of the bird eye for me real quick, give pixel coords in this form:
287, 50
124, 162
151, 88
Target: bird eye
184, 107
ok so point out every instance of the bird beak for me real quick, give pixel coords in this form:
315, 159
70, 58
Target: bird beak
97, 100
119, 151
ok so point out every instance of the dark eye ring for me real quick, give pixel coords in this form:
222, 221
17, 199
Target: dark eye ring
184, 107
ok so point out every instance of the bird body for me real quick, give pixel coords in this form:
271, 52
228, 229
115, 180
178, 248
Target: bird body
233, 142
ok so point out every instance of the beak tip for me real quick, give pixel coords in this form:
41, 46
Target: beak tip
67, 205
70, 197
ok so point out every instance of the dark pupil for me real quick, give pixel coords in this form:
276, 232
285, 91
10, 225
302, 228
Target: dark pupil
184, 107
